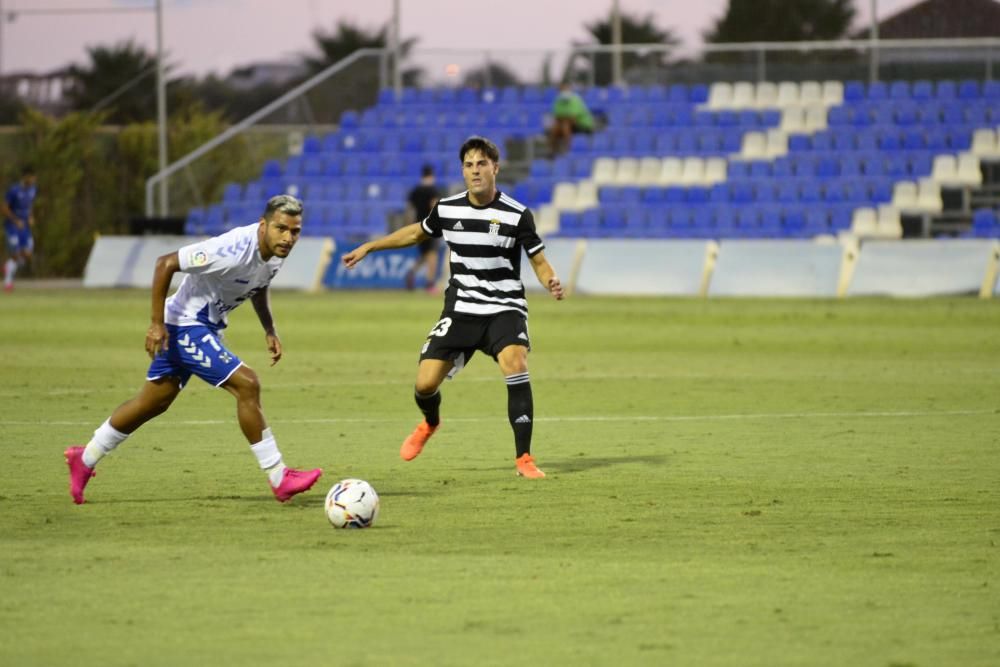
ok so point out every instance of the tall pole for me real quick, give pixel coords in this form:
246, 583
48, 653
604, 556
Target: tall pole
2, 19
616, 41
873, 38
161, 106
397, 67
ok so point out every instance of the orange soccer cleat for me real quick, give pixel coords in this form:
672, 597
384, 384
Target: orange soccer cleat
526, 467
414, 443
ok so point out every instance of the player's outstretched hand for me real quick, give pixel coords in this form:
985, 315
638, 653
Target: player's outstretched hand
156, 340
355, 256
274, 347
556, 288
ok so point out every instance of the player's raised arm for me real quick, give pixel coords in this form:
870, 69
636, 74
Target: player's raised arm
401, 238
547, 276
156, 335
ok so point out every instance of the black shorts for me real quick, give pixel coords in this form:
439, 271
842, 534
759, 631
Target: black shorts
456, 337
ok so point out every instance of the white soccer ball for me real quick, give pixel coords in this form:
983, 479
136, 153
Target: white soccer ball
352, 503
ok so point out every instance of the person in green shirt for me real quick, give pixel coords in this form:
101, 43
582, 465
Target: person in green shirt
570, 116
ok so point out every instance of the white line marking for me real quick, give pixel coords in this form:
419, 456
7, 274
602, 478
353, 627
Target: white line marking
570, 418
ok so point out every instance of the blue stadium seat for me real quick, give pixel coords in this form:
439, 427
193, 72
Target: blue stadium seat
968, 90
877, 91
946, 90
899, 90
922, 90
854, 91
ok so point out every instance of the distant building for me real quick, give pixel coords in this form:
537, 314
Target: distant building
938, 19
47, 91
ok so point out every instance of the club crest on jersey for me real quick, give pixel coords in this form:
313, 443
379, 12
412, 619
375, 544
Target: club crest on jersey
198, 258
494, 227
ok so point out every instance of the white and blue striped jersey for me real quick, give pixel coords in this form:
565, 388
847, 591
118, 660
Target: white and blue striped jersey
485, 243
221, 273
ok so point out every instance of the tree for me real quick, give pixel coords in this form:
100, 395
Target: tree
357, 86
782, 21
635, 30
121, 79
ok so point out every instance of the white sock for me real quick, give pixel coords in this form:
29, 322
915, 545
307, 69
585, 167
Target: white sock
269, 457
10, 268
105, 439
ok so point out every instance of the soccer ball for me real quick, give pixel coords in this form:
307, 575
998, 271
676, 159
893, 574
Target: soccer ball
352, 503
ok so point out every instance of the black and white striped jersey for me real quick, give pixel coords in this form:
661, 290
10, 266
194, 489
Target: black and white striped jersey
485, 243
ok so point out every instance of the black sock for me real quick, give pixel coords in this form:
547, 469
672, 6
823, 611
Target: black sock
429, 405
520, 410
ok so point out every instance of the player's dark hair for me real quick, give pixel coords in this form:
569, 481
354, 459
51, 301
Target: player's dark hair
27, 170
286, 204
427, 170
482, 144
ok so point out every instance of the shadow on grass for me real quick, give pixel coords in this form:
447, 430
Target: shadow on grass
584, 463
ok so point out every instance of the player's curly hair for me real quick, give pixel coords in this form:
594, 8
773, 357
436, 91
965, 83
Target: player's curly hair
475, 142
286, 204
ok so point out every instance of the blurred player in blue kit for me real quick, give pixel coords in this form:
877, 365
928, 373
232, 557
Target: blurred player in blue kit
185, 338
17, 206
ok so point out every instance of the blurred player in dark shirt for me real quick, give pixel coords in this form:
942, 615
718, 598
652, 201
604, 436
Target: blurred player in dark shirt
422, 199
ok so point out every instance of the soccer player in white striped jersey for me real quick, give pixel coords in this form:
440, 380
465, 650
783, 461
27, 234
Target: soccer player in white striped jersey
185, 339
484, 307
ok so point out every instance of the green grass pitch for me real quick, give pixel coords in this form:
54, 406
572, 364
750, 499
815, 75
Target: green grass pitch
747, 482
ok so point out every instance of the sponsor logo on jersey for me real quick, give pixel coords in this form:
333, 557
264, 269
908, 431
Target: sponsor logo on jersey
459, 226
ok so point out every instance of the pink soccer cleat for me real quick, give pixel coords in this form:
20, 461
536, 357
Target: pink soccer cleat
79, 473
295, 481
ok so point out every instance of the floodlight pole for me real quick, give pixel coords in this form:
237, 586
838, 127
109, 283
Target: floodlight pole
394, 46
161, 106
616, 41
873, 39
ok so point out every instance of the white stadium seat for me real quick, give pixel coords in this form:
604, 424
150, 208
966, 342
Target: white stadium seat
969, 171
670, 172
904, 196
743, 95
986, 144
715, 170
547, 219
628, 171
586, 195
766, 95
793, 120
816, 117
888, 223
945, 169
929, 196
604, 170
777, 143
754, 146
788, 94
720, 95
810, 92
693, 172
833, 93
864, 222
649, 170
564, 196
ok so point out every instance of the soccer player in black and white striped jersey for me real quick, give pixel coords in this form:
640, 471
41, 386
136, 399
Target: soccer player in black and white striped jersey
484, 307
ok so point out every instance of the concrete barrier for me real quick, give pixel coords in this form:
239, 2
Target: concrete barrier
916, 268
643, 267
776, 268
